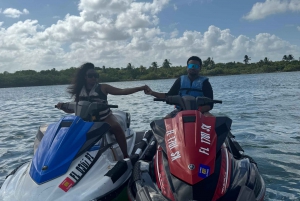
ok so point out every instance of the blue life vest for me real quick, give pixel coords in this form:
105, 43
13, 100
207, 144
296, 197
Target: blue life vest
192, 90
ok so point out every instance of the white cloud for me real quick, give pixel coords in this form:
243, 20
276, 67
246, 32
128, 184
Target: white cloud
174, 33
25, 11
173, 25
294, 5
91, 10
175, 7
130, 35
14, 13
56, 17
140, 15
261, 10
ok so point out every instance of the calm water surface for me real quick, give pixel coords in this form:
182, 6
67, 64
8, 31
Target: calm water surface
264, 108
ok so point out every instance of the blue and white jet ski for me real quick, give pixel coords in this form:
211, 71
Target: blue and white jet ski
77, 159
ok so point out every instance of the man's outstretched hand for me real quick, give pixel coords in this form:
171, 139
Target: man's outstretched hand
147, 90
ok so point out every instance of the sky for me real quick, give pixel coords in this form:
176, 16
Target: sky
41, 35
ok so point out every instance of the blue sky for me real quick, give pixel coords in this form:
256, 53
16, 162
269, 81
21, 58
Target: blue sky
42, 35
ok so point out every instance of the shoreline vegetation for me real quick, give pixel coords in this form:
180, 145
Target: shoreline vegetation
27, 78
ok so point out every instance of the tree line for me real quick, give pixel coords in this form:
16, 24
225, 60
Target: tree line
154, 71
290, 57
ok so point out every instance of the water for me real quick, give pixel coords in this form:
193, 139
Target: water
264, 108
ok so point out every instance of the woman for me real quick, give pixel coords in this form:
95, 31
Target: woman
85, 86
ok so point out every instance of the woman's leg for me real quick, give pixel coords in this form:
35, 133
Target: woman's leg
118, 132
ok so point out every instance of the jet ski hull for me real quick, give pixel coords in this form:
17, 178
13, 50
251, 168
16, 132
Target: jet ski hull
245, 184
97, 172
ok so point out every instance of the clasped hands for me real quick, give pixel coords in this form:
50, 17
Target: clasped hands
147, 90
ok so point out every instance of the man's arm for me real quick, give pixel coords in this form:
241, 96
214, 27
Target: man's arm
173, 90
157, 94
207, 92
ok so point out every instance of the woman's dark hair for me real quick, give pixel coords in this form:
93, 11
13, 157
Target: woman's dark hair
195, 58
79, 80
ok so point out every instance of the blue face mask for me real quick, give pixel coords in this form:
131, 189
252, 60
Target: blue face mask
196, 66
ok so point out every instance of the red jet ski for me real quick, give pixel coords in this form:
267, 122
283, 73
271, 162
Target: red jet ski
196, 158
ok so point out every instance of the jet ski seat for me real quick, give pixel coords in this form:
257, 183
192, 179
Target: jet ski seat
121, 117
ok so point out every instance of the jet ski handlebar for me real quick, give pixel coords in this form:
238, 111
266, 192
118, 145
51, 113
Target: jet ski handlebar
98, 106
159, 99
188, 102
85, 109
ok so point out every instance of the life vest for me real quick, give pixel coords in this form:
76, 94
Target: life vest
194, 89
94, 96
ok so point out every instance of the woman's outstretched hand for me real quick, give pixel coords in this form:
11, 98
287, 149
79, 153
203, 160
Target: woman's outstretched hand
147, 90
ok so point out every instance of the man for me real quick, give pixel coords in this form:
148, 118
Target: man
191, 84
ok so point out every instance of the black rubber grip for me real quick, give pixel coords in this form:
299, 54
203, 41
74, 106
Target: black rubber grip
150, 152
142, 145
136, 172
117, 171
217, 101
112, 106
148, 135
159, 99
134, 158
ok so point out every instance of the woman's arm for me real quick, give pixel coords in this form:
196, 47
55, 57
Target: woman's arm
107, 89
